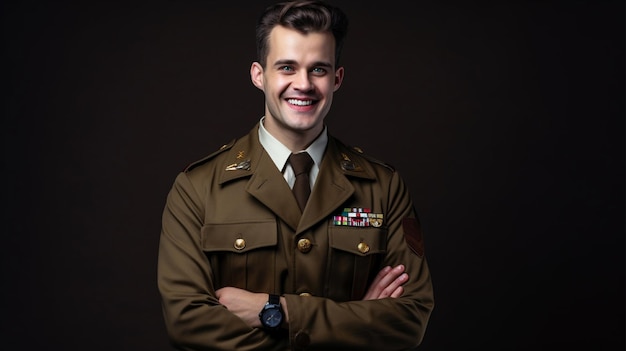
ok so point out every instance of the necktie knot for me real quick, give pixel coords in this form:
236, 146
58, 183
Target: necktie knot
301, 164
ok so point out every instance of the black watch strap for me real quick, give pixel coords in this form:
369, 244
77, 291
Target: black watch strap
274, 299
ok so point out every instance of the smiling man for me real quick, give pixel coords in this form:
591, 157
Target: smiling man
248, 260
298, 78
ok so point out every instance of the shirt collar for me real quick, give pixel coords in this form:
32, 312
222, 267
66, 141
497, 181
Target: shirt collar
279, 153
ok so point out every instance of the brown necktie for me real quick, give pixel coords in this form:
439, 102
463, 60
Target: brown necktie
301, 164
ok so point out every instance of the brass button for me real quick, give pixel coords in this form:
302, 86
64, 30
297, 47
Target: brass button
240, 244
363, 247
305, 294
304, 245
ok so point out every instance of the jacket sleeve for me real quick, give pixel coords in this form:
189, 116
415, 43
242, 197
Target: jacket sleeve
194, 318
384, 324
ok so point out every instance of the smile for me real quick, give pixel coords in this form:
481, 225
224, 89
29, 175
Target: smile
300, 102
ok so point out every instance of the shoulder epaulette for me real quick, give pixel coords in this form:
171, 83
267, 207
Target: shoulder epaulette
360, 152
203, 160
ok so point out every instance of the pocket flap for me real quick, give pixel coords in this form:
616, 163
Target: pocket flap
238, 237
359, 241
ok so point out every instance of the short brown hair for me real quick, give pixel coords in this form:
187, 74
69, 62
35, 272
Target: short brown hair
305, 16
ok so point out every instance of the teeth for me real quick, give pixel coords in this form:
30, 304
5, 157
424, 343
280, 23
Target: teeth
300, 102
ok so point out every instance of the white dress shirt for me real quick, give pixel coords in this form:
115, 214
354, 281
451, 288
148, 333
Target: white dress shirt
279, 153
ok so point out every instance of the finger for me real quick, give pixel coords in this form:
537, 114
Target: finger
383, 272
398, 283
397, 293
392, 275
393, 285
375, 288
385, 283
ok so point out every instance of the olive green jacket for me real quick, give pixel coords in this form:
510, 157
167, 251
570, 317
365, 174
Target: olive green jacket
230, 219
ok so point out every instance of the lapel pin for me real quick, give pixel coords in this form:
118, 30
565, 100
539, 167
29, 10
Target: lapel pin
243, 165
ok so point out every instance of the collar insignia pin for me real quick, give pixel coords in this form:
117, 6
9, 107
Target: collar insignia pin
243, 165
348, 165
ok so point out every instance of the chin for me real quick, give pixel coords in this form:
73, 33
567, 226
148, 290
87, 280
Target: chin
305, 124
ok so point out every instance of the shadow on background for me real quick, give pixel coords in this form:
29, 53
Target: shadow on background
506, 120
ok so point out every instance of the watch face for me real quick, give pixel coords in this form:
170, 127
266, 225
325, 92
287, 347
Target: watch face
272, 317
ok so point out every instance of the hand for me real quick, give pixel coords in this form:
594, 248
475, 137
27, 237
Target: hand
244, 304
388, 283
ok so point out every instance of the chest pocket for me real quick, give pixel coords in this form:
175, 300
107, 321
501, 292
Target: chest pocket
356, 254
241, 254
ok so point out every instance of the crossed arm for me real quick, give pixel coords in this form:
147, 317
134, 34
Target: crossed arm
246, 305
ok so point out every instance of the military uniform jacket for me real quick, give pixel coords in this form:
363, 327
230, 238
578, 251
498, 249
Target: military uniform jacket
232, 220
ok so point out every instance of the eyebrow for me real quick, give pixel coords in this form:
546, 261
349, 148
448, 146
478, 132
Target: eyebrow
293, 62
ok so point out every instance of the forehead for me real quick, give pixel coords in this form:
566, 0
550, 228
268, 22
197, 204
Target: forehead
289, 44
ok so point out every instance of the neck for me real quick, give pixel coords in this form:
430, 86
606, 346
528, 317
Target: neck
294, 140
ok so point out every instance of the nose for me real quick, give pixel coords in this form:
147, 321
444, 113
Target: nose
302, 81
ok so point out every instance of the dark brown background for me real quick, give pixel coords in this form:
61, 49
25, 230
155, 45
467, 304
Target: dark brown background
505, 118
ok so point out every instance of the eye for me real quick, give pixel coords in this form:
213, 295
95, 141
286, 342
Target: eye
319, 71
285, 68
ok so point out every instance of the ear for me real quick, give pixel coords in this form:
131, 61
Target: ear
338, 78
256, 75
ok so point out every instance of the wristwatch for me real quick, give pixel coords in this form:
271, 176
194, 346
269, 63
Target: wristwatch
272, 313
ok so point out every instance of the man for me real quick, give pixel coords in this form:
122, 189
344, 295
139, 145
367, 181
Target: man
243, 266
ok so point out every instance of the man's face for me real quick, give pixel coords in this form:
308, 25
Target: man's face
298, 81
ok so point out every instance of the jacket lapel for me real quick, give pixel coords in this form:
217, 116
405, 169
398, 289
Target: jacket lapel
332, 187
248, 159
269, 187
